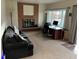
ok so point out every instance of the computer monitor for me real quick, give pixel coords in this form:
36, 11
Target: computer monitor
55, 22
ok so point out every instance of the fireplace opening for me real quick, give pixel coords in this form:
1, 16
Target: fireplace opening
27, 23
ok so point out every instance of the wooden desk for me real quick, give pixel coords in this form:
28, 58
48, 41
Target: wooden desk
56, 33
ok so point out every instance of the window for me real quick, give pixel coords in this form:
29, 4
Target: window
56, 15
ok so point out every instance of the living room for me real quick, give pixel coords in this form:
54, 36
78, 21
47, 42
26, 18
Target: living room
30, 17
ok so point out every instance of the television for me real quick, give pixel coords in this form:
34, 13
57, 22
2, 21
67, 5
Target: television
55, 23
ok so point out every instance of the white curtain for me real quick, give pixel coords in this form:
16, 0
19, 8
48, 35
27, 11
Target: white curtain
66, 22
73, 28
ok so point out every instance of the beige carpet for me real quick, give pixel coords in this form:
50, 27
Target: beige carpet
47, 48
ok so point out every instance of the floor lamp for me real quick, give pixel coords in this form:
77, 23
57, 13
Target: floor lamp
11, 16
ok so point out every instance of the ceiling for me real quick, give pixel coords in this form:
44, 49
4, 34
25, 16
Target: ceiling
40, 1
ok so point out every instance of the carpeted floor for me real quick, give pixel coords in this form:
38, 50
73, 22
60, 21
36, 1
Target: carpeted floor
69, 46
47, 48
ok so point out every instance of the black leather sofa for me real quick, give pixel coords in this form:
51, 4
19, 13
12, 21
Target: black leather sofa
15, 46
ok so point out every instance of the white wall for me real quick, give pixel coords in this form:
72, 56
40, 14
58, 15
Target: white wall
4, 20
15, 13
41, 15
13, 4
6, 6
12, 7
62, 4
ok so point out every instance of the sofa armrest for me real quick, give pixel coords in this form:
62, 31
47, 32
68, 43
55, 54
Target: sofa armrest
25, 39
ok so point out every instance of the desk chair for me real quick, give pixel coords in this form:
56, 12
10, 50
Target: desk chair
46, 29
